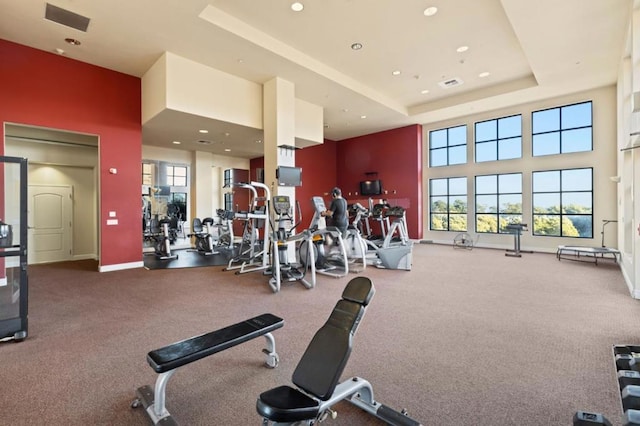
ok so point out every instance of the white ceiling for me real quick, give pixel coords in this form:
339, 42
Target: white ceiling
532, 50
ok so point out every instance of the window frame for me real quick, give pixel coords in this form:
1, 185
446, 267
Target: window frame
560, 130
448, 213
497, 194
499, 141
560, 192
448, 146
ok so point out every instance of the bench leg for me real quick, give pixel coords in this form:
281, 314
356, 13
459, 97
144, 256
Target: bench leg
270, 351
159, 409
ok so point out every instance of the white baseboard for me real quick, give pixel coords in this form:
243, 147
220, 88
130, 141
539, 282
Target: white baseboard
121, 266
3, 282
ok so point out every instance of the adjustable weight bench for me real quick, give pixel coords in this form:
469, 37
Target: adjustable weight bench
321, 366
166, 361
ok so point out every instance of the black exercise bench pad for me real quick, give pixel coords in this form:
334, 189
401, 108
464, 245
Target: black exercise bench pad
180, 353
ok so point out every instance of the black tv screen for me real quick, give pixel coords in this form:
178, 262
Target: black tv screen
371, 187
289, 176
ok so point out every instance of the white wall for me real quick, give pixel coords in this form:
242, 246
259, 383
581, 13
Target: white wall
602, 159
628, 156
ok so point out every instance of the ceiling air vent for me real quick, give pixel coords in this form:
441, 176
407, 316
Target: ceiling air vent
204, 142
452, 82
66, 17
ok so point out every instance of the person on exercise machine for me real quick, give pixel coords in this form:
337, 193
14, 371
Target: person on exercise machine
338, 211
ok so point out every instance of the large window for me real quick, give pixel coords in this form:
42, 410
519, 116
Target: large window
176, 176
562, 130
499, 139
563, 203
498, 202
448, 146
448, 204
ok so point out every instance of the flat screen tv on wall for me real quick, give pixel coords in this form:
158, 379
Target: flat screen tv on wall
289, 176
371, 187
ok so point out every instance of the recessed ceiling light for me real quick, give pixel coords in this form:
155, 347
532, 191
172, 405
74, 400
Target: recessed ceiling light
484, 74
430, 11
73, 41
297, 6
176, 142
227, 134
396, 72
424, 92
356, 46
59, 51
227, 149
259, 141
462, 49
363, 116
203, 131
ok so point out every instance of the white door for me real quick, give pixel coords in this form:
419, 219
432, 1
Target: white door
49, 218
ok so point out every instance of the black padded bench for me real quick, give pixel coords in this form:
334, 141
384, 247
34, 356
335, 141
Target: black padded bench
166, 361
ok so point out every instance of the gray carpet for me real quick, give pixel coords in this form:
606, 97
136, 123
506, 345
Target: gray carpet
464, 338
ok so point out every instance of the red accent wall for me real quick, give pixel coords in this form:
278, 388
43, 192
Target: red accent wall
319, 172
396, 156
43, 89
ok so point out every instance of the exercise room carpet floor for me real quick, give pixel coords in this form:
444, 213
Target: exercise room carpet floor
467, 337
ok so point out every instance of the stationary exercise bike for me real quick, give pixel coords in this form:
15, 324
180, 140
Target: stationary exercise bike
202, 234
163, 239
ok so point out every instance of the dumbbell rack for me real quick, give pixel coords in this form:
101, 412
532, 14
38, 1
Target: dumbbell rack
627, 362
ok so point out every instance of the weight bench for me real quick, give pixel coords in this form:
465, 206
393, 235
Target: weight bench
321, 366
166, 361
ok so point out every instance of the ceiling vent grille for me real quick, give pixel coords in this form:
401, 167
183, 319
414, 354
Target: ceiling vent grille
452, 82
66, 18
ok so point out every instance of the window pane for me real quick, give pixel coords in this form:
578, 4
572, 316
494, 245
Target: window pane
577, 140
486, 203
546, 121
546, 225
438, 157
546, 203
576, 115
486, 131
180, 181
577, 202
546, 144
439, 222
438, 138
438, 186
576, 180
510, 127
546, 181
458, 154
458, 135
458, 204
457, 222
180, 171
577, 226
458, 186
510, 148
486, 151
439, 204
511, 183
511, 203
486, 184
486, 223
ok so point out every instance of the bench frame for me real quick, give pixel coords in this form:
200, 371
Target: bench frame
154, 400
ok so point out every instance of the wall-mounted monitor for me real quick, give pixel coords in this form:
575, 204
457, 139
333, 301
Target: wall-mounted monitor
371, 187
289, 176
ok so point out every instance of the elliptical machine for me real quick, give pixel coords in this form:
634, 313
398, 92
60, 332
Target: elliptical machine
282, 236
328, 245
